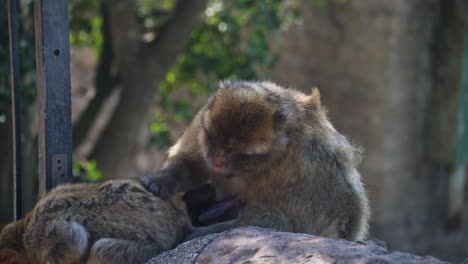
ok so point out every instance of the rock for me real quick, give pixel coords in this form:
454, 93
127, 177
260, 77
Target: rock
186, 252
256, 245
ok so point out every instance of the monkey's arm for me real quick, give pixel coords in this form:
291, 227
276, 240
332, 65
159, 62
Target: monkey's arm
184, 168
267, 220
220, 208
181, 176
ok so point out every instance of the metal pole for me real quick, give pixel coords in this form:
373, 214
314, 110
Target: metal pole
16, 107
51, 24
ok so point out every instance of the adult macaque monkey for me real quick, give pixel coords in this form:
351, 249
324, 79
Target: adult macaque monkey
116, 222
277, 149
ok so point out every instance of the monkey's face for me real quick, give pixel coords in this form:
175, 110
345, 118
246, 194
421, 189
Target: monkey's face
241, 132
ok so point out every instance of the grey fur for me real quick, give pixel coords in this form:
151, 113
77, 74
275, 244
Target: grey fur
114, 222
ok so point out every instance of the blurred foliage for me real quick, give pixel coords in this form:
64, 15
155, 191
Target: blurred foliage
324, 3
161, 136
152, 14
232, 43
26, 55
86, 171
85, 23
320, 3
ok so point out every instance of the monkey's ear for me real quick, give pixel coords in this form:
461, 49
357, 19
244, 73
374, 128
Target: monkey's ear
314, 97
225, 84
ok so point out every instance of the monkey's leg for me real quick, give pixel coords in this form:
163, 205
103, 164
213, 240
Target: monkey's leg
121, 251
59, 242
268, 220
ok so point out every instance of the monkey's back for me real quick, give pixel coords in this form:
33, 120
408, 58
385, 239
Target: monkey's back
120, 209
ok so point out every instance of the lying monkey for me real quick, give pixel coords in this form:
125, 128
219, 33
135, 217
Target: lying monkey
117, 221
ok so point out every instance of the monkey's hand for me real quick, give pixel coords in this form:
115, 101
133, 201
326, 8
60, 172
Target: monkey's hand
220, 208
161, 183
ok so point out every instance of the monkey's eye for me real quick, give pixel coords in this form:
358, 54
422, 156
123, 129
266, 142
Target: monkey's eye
278, 120
209, 138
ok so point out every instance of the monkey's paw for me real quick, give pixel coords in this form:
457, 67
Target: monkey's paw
159, 184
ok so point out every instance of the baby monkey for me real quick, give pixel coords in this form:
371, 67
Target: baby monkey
276, 149
117, 221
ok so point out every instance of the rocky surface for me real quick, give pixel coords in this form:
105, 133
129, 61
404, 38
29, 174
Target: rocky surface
258, 245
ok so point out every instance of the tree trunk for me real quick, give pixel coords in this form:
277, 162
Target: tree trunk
104, 83
379, 75
141, 67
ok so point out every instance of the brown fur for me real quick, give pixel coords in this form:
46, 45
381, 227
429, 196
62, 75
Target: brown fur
277, 148
114, 222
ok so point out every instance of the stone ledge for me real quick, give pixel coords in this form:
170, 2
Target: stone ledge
259, 245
